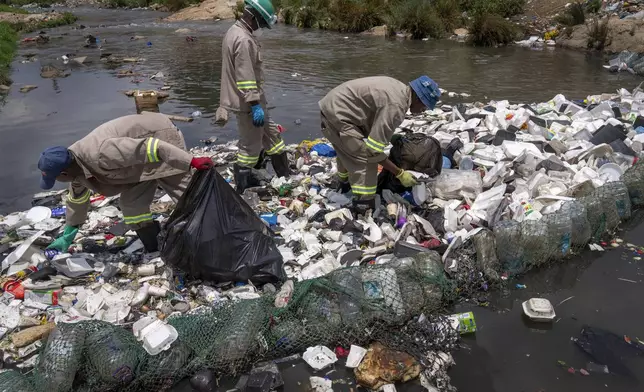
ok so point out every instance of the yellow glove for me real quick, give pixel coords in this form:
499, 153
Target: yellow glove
406, 179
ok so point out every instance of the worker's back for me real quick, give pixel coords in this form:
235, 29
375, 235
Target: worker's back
358, 101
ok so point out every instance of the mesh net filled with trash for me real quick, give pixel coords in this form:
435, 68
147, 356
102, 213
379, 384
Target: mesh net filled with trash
351, 306
292, 269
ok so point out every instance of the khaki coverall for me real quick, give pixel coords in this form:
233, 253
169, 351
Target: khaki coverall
359, 117
130, 156
242, 78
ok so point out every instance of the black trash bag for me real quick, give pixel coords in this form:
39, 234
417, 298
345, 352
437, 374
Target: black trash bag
417, 152
610, 349
215, 236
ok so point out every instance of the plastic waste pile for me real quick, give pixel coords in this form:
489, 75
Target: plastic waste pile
627, 61
631, 9
521, 185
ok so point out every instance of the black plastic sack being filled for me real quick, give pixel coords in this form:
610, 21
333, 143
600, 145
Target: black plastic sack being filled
215, 236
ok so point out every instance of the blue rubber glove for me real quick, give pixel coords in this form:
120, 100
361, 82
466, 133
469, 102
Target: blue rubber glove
258, 115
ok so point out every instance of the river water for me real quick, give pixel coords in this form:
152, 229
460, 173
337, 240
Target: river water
301, 66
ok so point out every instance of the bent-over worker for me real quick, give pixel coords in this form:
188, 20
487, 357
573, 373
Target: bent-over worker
359, 118
242, 93
130, 156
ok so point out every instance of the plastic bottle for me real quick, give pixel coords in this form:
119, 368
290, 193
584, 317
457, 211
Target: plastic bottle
25, 272
597, 368
284, 295
141, 296
157, 291
466, 163
70, 346
621, 159
15, 288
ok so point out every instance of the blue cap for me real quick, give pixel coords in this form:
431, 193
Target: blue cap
427, 90
52, 162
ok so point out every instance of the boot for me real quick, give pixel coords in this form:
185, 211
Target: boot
361, 206
340, 186
148, 235
261, 162
243, 178
280, 164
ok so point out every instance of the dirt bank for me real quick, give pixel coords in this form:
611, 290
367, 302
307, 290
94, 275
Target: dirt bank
13, 18
623, 34
209, 9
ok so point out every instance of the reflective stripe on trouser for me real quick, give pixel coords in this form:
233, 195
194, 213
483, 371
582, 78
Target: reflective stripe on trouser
343, 174
253, 139
135, 201
363, 176
82, 199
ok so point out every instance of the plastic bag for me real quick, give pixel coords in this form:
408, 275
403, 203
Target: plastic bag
214, 235
416, 152
324, 150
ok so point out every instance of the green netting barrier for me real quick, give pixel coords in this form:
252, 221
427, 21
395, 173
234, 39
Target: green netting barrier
355, 305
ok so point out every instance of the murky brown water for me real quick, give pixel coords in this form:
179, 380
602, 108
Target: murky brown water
301, 66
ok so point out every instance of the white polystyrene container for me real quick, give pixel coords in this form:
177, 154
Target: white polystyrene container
539, 309
158, 337
139, 326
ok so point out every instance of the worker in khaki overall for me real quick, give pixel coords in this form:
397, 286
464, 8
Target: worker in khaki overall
242, 93
130, 156
359, 118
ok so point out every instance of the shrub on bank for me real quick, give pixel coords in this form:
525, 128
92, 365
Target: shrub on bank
505, 8
593, 6
598, 33
449, 13
416, 17
40, 3
354, 16
238, 9
491, 30
574, 15
8, 8
171, 5
8, 38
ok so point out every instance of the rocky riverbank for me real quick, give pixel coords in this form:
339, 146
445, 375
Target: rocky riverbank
622, 34
206, 10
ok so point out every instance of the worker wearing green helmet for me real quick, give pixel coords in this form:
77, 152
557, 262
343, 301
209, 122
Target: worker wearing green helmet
242, 93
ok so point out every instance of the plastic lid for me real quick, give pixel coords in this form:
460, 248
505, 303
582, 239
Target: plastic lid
38, 214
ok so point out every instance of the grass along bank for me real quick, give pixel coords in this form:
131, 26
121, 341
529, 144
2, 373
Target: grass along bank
414, 18
14, 21
8, 38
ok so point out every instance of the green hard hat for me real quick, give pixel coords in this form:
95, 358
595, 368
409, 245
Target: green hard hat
265, 9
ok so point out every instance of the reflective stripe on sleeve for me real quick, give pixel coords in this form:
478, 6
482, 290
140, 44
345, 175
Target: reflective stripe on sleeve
375, 145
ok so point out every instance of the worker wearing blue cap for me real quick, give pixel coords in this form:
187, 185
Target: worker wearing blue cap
359, 118
129, 156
